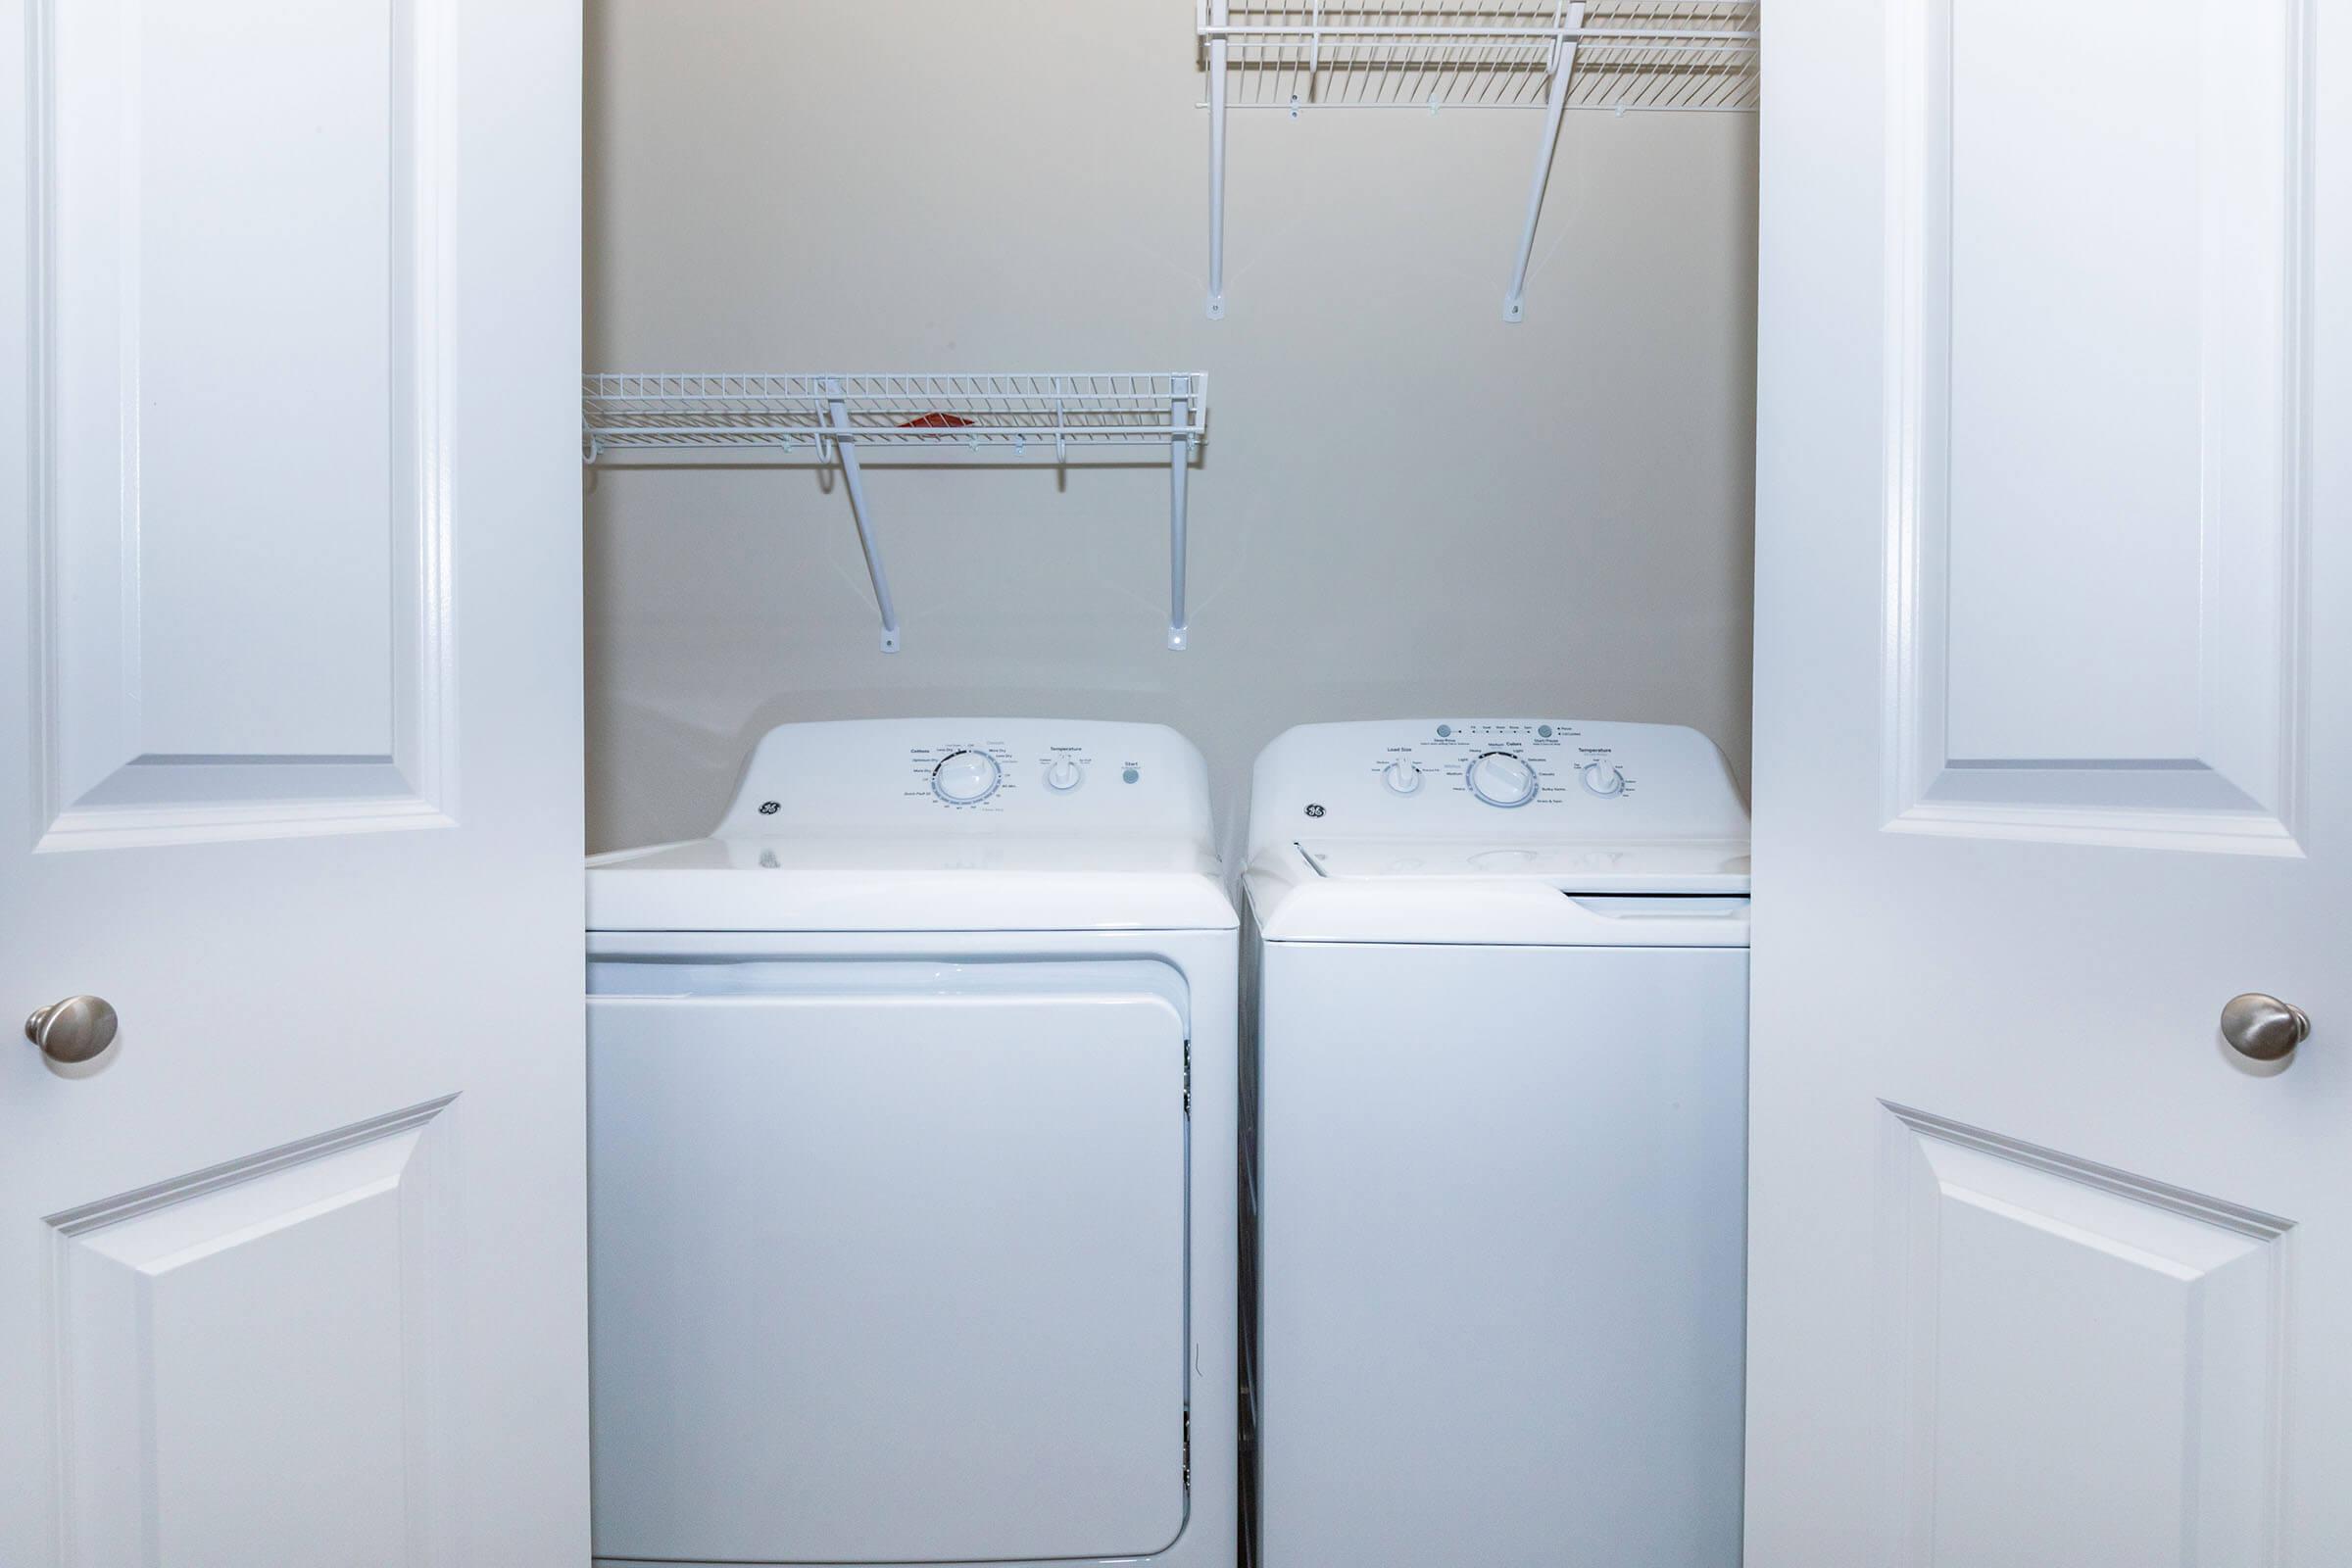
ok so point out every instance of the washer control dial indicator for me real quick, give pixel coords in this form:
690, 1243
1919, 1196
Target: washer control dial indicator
1500, 779
1402, 776
1602, 777
965, 778
1063, 774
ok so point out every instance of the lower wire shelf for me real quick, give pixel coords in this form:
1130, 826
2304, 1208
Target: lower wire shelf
705, 418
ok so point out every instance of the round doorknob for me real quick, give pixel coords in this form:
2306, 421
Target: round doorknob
2262, 1027
74, 1030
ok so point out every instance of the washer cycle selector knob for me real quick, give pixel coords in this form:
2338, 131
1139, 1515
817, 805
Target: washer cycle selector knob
965, 778
1402, 776
1603, 778
1501, 779
1064, 774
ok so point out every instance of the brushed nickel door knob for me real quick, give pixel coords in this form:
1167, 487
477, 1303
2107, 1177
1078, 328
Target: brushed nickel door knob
74, 1030
2262, 1027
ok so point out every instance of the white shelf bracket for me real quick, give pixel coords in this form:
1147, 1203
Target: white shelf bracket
853, 479
1180, 452
1556, 99
1217, 13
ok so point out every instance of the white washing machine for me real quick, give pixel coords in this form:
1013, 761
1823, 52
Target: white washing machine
912, 1205
1497, 1151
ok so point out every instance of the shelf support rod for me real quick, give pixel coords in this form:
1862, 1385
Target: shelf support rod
1219, 15
1563, 64
1180, 407
853, 479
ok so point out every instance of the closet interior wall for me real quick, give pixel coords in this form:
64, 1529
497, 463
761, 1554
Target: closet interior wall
1405, 504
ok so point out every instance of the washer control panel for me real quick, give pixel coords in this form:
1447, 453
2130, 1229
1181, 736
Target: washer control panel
915, 775
1533, 779
1508, 764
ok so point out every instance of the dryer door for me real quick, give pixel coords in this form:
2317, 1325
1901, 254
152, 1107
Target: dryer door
894, 1276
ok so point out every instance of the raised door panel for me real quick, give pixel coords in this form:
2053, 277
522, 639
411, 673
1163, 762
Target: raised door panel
2089, 1365
239, 520
2097, 419
246, 1357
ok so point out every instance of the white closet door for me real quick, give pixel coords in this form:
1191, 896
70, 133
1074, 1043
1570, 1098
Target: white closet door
293, 1273
888, 1278
2055, 760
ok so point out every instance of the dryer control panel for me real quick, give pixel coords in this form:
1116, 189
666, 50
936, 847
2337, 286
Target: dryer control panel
920, 774
1522, 779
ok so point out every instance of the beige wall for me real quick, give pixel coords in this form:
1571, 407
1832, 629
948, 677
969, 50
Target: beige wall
1407, 506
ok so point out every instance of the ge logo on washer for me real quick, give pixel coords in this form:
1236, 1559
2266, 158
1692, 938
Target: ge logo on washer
1314, 810
771, 807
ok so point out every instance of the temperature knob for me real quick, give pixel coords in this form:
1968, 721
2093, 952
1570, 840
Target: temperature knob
965, 778
1402, 776
1501, 779
1603, 778
1064, 774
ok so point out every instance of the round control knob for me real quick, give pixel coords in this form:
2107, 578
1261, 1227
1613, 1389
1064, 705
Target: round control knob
1501, 779
1064, 774
965, 778
1401, 777
1603, 778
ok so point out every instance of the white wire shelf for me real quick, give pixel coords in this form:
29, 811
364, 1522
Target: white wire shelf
1552, 55
636, 418
1412, 54
702, 417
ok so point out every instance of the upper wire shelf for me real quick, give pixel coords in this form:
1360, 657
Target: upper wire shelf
1484, 54
1552, 55
1041, 418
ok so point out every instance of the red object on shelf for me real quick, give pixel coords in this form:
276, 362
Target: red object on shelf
935, 421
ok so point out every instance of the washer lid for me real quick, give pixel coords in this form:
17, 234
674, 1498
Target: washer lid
1615, 865
1689, 894
919, 882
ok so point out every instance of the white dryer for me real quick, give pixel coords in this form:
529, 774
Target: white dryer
912, 1215
1498, 1153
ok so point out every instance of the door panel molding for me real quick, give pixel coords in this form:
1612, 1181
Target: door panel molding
315, 1272
130, 1206
234, 636
2078, 1358
2166, 719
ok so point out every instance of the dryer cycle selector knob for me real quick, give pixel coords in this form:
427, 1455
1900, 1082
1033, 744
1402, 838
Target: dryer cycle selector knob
1603, 778
1401, 777
1064, 774
965, 778
1501, 779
